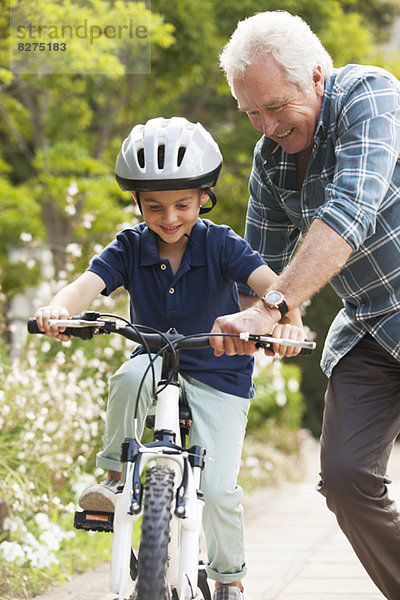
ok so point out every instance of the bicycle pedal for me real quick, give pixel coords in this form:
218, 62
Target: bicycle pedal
94, 520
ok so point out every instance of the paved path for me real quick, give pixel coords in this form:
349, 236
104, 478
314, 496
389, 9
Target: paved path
295, 550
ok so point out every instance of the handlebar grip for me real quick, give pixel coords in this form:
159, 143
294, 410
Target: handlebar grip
85, 333
32, 326
306, 351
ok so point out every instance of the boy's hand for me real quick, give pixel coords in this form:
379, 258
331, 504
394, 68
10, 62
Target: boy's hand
290, 332
45, 313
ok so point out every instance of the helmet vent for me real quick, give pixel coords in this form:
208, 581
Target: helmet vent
140, 157
161, 156
181, 154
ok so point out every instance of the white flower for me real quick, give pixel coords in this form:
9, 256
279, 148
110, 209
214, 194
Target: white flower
252, 461
281, 398
46, 346
42, 520
70, 210
51, 540
74, 249
10, 525
293, 385
25, 237
88, 220
73, 188
12, 552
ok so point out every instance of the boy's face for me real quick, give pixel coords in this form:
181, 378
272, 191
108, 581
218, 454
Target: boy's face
171, 214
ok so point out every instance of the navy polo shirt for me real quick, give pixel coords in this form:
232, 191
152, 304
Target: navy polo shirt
203, 288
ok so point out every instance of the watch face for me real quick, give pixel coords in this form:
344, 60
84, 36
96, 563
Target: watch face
274, 297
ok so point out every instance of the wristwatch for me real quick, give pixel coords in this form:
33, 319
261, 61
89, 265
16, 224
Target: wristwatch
274, 299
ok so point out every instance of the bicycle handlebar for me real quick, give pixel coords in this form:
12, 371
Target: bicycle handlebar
93, 324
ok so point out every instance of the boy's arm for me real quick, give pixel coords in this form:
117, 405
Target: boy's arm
70, 300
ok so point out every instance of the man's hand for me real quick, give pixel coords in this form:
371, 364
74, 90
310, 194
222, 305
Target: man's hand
256, 319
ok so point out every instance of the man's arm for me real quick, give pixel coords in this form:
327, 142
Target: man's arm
321, 255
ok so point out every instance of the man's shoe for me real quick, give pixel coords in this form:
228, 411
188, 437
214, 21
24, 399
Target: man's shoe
228, 592
100, 496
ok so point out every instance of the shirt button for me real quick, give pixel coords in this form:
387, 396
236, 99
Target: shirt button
163, 267
171, 290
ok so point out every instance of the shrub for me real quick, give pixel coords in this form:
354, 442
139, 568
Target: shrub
277, 395
51, 426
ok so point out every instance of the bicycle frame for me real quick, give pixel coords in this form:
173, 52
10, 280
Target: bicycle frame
185, 526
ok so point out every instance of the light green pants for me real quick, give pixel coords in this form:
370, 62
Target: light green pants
219, 423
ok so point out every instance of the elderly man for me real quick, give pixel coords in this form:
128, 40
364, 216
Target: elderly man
327, 169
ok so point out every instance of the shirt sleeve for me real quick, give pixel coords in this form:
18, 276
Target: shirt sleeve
111, 265
367, 149
268, 228
238, 259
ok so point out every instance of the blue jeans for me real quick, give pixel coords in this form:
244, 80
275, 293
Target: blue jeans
219, 423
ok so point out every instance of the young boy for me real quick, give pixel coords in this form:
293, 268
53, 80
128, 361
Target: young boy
180, 271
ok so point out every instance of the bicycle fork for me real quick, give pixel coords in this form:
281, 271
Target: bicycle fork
182, 570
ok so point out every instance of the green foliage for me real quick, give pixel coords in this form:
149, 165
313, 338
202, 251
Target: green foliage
319, 314
277, 397
52, 404
67, 129
345, 37
272, 450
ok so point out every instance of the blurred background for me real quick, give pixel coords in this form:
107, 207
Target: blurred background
60, 134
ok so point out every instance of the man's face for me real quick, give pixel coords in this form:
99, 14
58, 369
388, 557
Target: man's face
280, 109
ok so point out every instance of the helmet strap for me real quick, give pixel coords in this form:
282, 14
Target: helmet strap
138, 202
213, 199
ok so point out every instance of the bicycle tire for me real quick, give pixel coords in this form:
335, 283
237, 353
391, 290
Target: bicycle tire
153, 550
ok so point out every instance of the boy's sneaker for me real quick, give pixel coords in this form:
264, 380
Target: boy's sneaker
228, 592
100, 496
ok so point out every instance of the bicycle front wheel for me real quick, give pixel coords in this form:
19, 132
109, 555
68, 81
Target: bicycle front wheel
153, 551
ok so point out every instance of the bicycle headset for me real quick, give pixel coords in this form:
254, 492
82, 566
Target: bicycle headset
169, 154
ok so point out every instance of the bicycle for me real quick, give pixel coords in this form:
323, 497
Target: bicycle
170, 501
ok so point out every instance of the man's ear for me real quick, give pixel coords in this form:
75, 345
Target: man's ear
318, 81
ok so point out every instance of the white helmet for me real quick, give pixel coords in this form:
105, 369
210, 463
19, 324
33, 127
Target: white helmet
168, 154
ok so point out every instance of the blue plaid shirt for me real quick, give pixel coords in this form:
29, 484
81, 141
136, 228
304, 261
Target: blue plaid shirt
353, 185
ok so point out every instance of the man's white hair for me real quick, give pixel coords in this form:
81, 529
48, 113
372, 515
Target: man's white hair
286, 37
